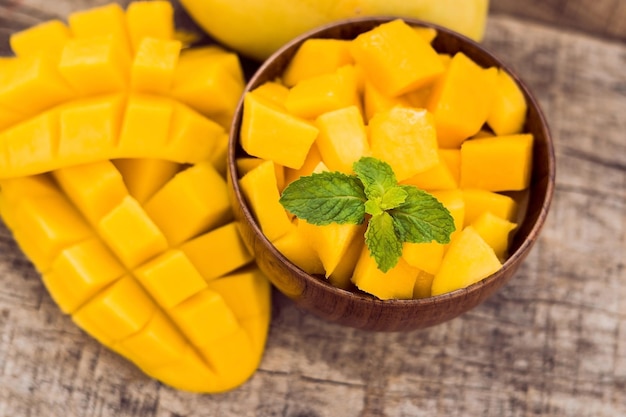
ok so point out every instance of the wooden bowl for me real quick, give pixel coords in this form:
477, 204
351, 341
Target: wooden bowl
315, 294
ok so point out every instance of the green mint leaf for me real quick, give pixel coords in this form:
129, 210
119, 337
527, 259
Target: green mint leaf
382, 241
393, 198
422, 218
373, 207
377, 176
324, 198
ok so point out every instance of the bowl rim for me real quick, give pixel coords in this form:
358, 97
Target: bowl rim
512, 261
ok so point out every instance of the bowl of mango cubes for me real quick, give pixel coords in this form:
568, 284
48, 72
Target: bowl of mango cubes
388, 174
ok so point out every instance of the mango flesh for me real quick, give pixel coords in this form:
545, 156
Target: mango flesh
429, 123
112, 183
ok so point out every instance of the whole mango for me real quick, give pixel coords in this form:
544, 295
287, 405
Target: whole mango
258, 28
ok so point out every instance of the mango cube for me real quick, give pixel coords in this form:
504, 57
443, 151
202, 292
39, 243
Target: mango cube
398, 282
454, 201
495, 231
154, 65
47, 38
423, 285
227, 250
375, 102
342, 139
439, 177
315, 57
479, 201
95, 188
149, 19
198, 210
104, 20
170, 278
424, 256
273, 91
80, 272
145, 176
395, 58
458, 270
268, 132
406, 139
508, 112
465, 89
192, 136
296, 246
240, 291
146, 124
131, 234
500, 163
260, 189
95, 65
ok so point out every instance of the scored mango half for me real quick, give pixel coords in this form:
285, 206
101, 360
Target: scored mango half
112, 162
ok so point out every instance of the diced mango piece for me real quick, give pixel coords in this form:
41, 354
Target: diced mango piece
227, 250
315, 57
232, 357
190, 373
131, 234
424, 256
508, 111
468, 260
341, 277
193, 137
197, 210
170, 278
100, 21
479, 201
49, 224
398, 282
146, 125
152, 70
9, 118
95, 188
145, 176
376, 102
30, 187
247, 164
246, 292
215, 74
80, 272
296, 246
439, 177
273, 91
395, 58
452, 158
158, 344
429, 34
47, 38
32, 84
454, 201
495, 231
117, 312
219, 156
205, 318
313, 158
323, 93
260, 189
499, 163
331, 242
268, 132
95, 65
406, 139
149, 19
423, 285
89, 128
465, 89
31, 147
342, 139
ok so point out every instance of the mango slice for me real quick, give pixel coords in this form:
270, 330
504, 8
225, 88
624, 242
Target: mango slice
112, 183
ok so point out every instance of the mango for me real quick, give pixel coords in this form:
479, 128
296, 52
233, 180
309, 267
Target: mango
508, 111
316, 57
478, 201
115, 190
495, 231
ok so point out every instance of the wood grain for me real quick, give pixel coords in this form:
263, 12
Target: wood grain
552, 342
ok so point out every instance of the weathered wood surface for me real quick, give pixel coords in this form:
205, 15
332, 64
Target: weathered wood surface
551, 343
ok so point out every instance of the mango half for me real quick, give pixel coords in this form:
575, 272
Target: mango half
112, 159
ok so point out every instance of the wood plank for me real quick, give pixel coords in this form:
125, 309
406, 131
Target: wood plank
603, 18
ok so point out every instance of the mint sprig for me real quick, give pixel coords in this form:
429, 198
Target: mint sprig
399, 213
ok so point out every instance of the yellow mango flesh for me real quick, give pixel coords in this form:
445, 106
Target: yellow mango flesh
495, 231
508, 111
316, 57
118, 196
395, 58
499, 163
478, 201
468, 260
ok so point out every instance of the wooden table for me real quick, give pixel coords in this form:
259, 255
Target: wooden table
551, 343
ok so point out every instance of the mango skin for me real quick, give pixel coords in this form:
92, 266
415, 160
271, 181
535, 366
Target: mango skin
258, 28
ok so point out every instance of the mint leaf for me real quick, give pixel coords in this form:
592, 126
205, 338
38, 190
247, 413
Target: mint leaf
377, 176
382, 241
393, 198
422, 218
324, 198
